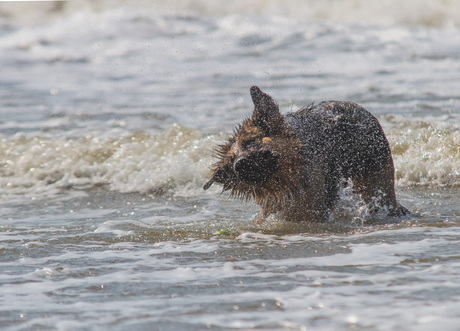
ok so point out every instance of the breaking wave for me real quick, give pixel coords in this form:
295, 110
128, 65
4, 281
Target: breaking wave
426, 154
176, 161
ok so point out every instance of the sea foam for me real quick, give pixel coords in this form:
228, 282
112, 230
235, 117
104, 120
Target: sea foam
177, 160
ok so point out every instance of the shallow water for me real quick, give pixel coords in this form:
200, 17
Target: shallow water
108, 122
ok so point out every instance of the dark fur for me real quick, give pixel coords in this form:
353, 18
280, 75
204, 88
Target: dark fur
293, 165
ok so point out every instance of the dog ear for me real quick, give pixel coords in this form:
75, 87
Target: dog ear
266, 114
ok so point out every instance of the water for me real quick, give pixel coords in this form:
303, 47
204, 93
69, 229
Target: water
108, 121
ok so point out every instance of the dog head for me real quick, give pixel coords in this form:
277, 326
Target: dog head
259, 155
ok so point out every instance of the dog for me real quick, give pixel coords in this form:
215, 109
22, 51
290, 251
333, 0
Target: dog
294, 165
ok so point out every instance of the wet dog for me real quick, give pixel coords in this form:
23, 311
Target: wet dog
293, 165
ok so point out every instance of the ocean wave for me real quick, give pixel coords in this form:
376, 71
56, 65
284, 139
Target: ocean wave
176, 161
170, 162
433, 13
426, 154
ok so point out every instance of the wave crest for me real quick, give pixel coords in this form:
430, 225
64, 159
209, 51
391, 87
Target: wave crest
176, 161
426, 154
139, 162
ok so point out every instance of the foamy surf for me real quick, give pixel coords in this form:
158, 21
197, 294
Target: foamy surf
176, 161
173, 161
426, 154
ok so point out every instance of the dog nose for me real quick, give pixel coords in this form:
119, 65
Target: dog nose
247, 170
242, 165
255, 168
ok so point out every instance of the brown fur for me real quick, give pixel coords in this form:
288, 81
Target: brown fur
292, 165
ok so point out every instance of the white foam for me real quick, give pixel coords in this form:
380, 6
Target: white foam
177, 161
426, 154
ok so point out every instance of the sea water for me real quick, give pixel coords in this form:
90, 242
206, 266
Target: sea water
110, 112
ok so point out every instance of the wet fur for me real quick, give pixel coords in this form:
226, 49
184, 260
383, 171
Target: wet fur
293, 165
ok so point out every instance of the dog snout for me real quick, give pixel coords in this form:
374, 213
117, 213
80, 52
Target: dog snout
255, 168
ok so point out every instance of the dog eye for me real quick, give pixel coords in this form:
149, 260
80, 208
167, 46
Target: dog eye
248, 143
